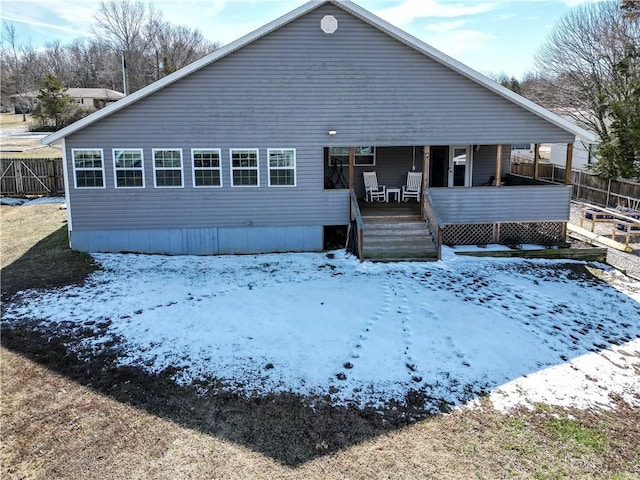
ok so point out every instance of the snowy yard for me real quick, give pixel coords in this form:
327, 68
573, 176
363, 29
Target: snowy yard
312, 324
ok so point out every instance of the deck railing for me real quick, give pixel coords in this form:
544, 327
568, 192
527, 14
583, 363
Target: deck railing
355, 236
430, 214
509, 215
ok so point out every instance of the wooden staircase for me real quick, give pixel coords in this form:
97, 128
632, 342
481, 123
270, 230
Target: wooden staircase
402, 238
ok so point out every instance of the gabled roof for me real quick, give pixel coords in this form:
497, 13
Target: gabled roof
358, 12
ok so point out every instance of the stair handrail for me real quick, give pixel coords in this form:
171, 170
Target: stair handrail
356, 219
430, 213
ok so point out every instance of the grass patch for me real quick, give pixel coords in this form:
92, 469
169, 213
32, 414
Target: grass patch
22, 148
13, 120
35, 250
568, 430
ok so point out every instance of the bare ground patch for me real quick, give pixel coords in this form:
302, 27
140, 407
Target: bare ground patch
35, 249
54, 427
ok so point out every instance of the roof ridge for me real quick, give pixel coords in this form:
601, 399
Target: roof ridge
353, 9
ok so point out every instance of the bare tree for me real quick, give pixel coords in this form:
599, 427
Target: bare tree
178, 46
579, 60
22, 70
631, 8
127, 26
131, 29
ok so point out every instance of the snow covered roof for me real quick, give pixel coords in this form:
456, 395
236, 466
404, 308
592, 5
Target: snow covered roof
358, 12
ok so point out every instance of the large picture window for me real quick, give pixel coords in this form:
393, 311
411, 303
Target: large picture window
206, 167
364, 156
88, 168
282, 167
167, 167
128, 166
244, 168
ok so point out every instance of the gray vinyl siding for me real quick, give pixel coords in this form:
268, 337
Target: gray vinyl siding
502, 204
392, 165
287, 90
484, 163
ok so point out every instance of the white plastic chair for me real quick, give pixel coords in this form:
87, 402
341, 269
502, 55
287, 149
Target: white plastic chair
413, 186
373, 191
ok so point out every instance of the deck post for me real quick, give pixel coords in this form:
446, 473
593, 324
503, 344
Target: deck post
568, 175
426, 152
536, 161
496, 232
499, 166
352, 167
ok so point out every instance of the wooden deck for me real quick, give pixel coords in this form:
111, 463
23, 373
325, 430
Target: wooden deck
391, 209
395, 232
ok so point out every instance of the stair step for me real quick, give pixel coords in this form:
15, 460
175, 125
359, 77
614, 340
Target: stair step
379, 247
386, 256
398, 239
398, 224
394, 241
394, 218
415, 230
430, 258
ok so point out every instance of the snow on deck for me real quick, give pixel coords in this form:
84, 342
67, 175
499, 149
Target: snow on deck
524, 330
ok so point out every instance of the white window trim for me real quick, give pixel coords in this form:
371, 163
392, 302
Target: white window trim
346, 164
256, 168
294, 168
115, 169
155, 169
73, 162
468, 172
193, 167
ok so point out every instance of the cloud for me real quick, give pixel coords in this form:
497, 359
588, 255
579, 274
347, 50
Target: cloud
36, 23
446, 26
457, 42
410, 10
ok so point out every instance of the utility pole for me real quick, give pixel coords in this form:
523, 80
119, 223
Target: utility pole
125, 83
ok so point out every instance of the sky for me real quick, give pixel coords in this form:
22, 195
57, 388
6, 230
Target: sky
491, 36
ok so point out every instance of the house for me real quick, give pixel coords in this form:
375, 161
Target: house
584, 154
584, 149
261, 145
90, 98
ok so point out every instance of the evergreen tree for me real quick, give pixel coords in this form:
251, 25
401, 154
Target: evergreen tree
620, 153
54, 105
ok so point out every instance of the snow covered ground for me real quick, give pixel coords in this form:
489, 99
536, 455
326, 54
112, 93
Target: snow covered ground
367, 333
15, 202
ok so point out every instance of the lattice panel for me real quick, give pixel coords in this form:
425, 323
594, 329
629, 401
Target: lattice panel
538, 233
468, 234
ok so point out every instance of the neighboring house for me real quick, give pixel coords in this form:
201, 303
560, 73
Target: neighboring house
90, 98
583, 154
256, 147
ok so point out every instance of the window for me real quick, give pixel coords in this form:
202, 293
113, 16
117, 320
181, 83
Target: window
88, 168
364, 156
206, 167
128, 168
167, 167
244, 168
282, 167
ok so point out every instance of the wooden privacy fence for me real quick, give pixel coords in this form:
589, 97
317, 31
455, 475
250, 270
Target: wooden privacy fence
31, 176
587, 186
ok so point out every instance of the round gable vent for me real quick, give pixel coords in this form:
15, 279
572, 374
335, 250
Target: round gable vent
329, 24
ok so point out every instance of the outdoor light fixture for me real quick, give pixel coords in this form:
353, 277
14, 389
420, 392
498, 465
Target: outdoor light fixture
332, 132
